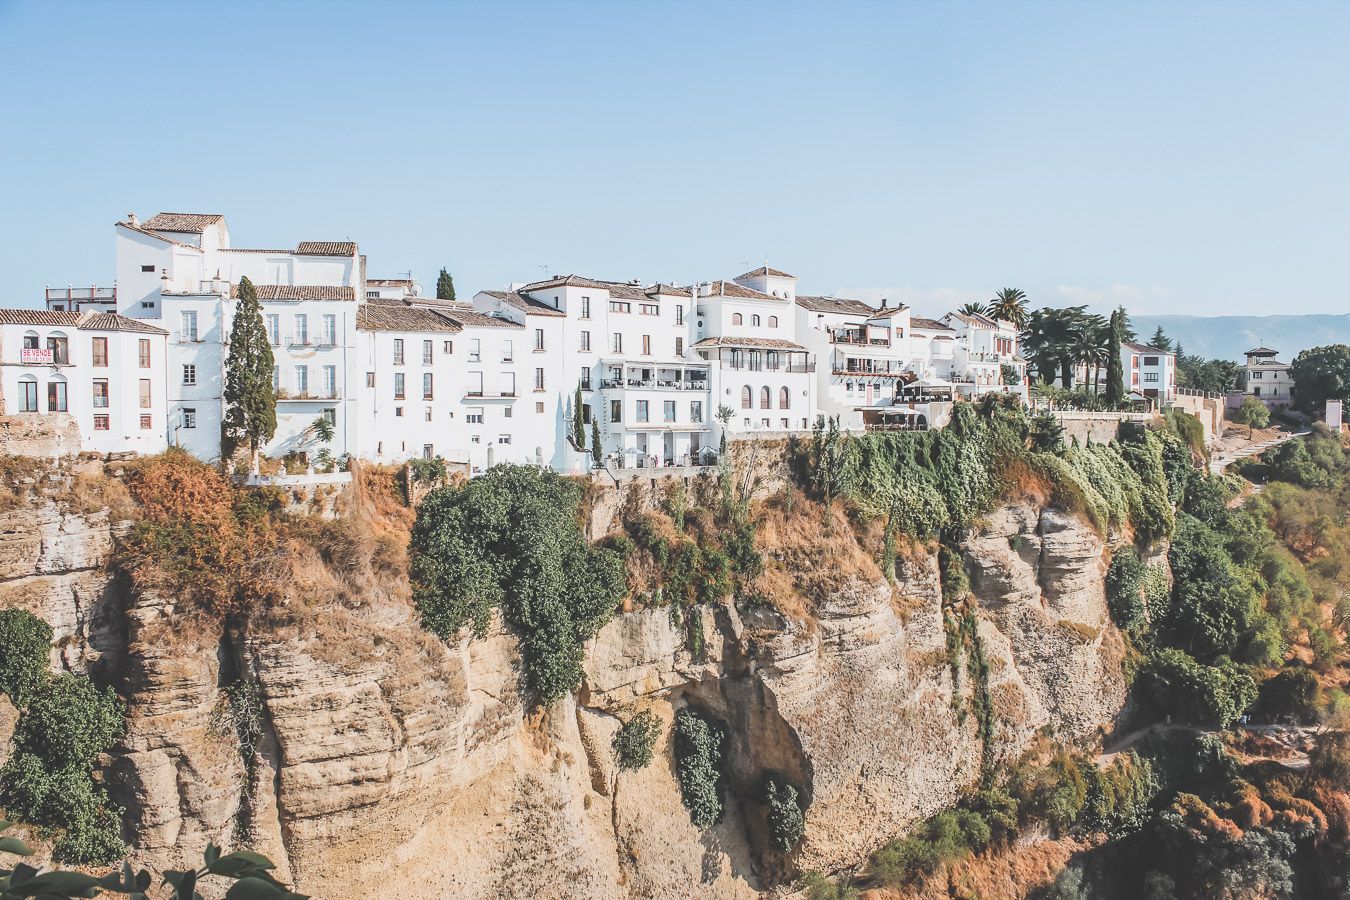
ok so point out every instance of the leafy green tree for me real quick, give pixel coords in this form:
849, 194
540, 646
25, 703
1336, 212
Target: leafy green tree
1252, 413
597, 449
786, 821
445, 286
250, 401
1010, 305
634, 741
25, 644
1052, 339
700, 743
1171, 682
1115, 371
578, 421
511, 540
1321, 374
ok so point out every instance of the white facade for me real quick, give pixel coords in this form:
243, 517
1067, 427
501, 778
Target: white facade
1150, 372
1267, 378
103, 370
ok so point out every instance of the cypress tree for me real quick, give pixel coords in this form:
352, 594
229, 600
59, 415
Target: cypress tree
578, 422
250, 402
445, 286
1115, 372
597, 453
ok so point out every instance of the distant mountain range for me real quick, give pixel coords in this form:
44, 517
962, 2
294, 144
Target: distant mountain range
1228, 337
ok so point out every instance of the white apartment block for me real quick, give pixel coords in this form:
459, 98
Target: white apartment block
1149, 372
104, 371
1267, 378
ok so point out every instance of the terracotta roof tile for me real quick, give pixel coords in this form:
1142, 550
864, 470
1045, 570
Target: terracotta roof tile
887, 312
765, 343
529, 305
190, 223
834, 305
732, 289
300, 292
113, 322
929, 324
37, 317
386, 317
478, 320
764, 271
157, 236
326, 248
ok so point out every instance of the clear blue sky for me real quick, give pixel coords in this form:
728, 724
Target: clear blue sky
1175, 157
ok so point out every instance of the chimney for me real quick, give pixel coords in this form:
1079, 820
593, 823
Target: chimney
884, 301
132, 220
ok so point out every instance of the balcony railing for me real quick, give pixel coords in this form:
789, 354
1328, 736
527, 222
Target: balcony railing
93, 292
793, 368
857, 340
653, 384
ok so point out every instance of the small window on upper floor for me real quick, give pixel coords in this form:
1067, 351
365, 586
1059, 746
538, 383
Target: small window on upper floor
147, 268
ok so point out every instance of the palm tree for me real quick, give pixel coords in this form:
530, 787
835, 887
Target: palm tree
972, 309
1050, 340
1010, 305
1091, 346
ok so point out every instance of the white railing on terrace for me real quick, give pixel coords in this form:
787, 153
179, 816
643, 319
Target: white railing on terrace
654, 384
93, 292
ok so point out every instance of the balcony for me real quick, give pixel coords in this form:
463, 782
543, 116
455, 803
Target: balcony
91, 294
284, 395
298, 340
854, 339
653, 384
792, 368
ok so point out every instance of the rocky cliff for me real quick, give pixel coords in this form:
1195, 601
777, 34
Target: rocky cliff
374, 740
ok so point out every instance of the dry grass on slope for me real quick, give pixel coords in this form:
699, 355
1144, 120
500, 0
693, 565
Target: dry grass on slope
1010, 873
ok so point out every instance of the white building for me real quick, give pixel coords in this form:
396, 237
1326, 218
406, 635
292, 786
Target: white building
984, 347
1267, 378
1149, 372
181, 270
104, 371
746, 329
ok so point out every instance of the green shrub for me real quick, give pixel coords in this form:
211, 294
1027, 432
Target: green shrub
946, 837
1213, 605
818, 887
633, 742
511, 539
1125, 592
428, 470
1172, 683
1293, 693
25, 650
699, 747
787, 822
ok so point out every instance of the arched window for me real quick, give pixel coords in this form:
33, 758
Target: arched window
773, 321
28, 394
784, 399
56, 394
754, 320
737, 319
31, 341
747, 398
765, 398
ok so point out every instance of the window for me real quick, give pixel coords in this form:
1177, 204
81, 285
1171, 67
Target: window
475, 349
428, 415
301, 337
784, 399
273, 329
1256, 392
668, 411
508, 351
149, 268
330, 381
508, 382
474, 415
649, 309
100, 351
146, 422
60, 350
747, 398
1257, 374
641, 413
586, 413
189, 373
616, 410
428, 451
427, 350
276, 379
143, 353
100, 394
538, 340
679, 315
646, 345
737, 319
398, 351
475, 380
783, 424
771, 359
1150, 360
188, 320
427, 393
100, 423
370, 379
329, 330
145, 393
147, 304
503, 438
765, 398
1151, 376
28, 394
773, 321
617, 343
754, 320
398, 412
302, 381
538, 407
735, 359
679, 347
620, 306
330, 416
585, 307
31, 341
56, 396
696, 411
586, 378
585, 342
448, 347
538, 379
899, 332
399, 393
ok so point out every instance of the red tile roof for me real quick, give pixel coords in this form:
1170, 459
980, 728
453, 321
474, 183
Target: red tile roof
732, 289
326, 248
764, 271
928, 324
85, 321
386, 317
300, 292
764, 343
113, 322
527, 304
834, 305
190, 223
37, 317
159, 237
